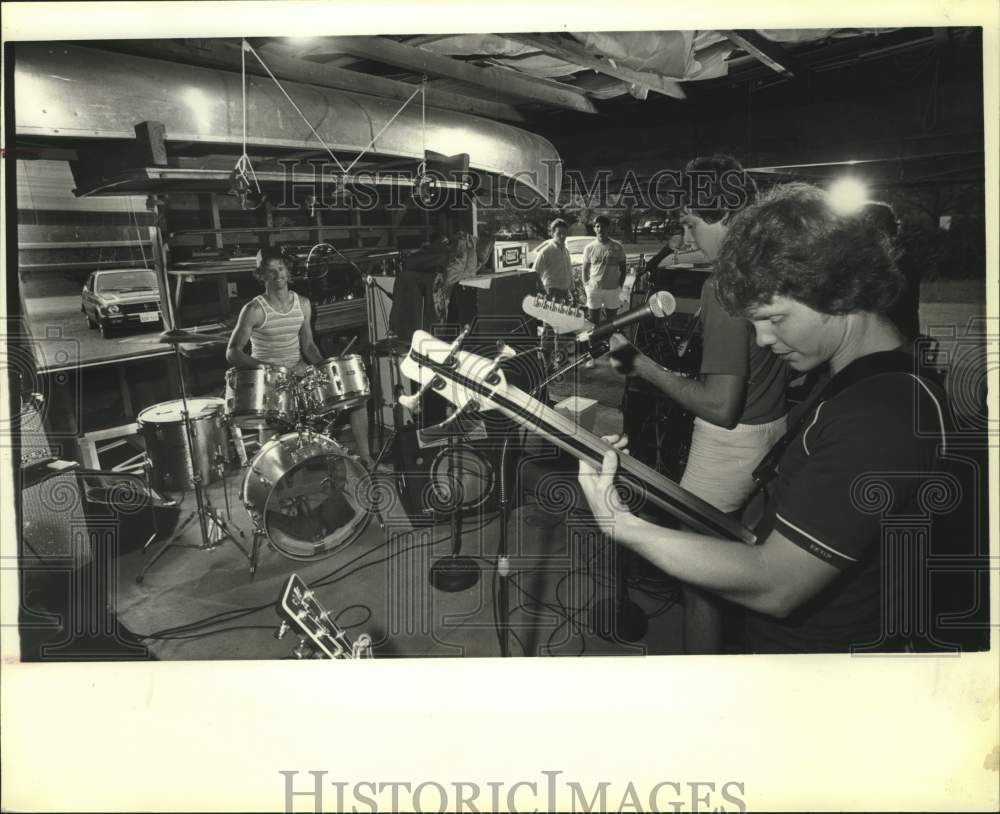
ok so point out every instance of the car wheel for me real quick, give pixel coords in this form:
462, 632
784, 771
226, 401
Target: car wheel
90, 323
106, 330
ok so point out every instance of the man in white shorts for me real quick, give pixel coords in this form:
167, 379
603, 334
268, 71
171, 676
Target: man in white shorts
603, 274
738, 399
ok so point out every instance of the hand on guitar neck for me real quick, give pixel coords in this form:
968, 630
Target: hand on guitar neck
463, 378
598, 485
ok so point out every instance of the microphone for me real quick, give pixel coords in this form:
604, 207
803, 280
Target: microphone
661, 304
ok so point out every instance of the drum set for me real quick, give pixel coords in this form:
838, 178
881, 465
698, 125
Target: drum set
304, 493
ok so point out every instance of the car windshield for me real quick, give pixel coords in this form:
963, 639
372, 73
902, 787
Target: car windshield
124, 281
576, 245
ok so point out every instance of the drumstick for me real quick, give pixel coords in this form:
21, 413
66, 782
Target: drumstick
348, 347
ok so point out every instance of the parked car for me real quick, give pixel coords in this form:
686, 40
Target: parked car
652, 226
116, 298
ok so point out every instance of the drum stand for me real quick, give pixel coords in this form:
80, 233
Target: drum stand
214, 530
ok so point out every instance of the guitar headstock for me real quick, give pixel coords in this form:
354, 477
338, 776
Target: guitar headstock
463, 378
563, 319
300, 606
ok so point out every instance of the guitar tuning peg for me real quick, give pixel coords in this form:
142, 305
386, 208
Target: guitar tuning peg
410, 401
505, 351
283, 628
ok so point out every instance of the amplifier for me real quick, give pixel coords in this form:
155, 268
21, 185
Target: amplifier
441, 478
491, 303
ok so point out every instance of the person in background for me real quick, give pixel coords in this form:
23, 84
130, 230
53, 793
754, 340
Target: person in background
553, 263
413, 304
554, 268
604, 265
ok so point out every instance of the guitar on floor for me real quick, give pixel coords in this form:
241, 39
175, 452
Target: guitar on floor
475, 384
319, 635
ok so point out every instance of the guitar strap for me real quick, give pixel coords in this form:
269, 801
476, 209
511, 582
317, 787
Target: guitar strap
875, 364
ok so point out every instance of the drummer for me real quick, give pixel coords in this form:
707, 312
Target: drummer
277, 325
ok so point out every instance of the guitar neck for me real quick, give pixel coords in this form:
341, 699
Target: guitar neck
583, 445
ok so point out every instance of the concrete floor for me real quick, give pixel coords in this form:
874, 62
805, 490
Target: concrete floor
560, 568
202, 604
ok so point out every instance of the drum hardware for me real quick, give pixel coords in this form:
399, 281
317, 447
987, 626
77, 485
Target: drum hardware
214, 529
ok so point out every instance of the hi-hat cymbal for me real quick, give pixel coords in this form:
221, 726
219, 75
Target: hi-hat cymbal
181, 337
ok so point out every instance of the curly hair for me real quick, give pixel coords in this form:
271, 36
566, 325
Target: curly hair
791, 243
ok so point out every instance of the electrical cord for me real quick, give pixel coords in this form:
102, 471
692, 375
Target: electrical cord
328, 579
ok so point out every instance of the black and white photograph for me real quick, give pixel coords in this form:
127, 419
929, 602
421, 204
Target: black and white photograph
477, 352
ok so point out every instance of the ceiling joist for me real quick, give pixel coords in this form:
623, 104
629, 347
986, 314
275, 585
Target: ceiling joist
499, 80
577, 54
771, 54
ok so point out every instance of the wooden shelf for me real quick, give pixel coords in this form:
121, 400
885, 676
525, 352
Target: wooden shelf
243, 230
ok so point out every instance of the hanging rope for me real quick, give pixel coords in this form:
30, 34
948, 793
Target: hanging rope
425, 185
346, 171
248, 47
243, 180
380, 132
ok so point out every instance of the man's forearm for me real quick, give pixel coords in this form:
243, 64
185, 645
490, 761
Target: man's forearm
734, 571
240, 358
693, 395
311, 354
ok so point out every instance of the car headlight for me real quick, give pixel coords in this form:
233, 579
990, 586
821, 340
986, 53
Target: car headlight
113, 309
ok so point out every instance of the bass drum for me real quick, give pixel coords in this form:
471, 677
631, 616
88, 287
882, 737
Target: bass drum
172, 465
306, 494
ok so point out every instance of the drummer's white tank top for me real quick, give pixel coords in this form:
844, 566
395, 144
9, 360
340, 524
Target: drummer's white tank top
277, 340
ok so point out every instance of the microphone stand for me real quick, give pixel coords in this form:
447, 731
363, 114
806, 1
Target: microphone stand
614, 618
371, 282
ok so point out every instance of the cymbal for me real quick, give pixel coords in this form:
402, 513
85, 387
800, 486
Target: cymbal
391, 345
181, 337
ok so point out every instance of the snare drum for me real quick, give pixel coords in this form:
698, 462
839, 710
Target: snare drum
171, 463
303, 491
258, 397
338, 383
